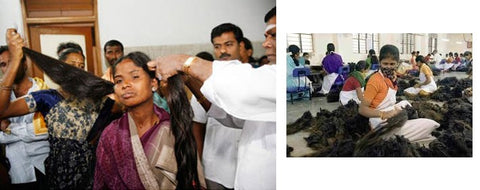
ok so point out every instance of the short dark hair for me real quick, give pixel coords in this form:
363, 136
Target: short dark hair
227, 27
467, 53
205, 55
270, 14
65, 45
294, 49
389, 51
112, 43
361, 65
5, 48
248, 44
330, 47
64, 54
420, 58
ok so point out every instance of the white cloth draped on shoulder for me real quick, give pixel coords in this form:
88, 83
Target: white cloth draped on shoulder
247, 97
243, 91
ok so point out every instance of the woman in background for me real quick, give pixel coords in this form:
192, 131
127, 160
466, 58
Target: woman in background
73, 57
427, 84
332, 62
70, 114
372, 59
353, 87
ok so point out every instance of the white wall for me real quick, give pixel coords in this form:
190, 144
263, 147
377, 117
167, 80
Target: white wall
183, 26
153, 22
343, 45
10, 16
162, 25
455, 43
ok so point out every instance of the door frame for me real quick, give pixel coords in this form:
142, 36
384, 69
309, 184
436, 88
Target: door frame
37, 30
91, 21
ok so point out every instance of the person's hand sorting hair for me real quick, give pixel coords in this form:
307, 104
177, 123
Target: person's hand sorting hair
391, 113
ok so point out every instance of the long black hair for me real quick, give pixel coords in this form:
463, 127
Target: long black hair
181, 121
75, 81
185, 146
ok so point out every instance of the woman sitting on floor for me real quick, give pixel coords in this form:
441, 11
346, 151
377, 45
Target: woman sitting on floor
427, 84
353, 87
379, 101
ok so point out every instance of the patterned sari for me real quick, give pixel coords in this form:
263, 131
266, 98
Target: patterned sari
71, 159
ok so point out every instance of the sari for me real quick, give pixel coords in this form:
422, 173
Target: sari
127, 161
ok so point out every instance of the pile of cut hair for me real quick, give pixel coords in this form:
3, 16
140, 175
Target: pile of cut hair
343, 132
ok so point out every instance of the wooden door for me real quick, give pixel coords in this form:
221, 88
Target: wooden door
46, 38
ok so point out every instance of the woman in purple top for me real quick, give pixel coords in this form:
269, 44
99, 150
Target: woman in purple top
331, 63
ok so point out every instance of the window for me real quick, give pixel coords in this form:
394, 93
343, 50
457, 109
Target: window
432, 42
408, 43
303, 40
362, 42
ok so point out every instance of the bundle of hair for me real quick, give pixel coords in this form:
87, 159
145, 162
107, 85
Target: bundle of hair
182, 122
375, 136
75, 81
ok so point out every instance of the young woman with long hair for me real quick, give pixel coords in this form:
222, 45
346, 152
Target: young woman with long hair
147, 147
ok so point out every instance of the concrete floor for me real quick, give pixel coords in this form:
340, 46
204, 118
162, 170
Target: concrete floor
296, 110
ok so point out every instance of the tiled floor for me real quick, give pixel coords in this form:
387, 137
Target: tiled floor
295, 110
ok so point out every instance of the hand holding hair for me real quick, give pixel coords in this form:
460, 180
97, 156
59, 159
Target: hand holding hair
15, 44
171, 65
167, 66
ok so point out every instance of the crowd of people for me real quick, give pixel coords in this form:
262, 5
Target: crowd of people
168, 123
352, 87
373, 84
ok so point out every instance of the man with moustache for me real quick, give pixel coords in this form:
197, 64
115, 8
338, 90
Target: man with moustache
246, 52
112, 50
251, 105
219, 156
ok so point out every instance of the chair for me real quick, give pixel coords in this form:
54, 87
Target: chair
374, 66
301, 87
343, 74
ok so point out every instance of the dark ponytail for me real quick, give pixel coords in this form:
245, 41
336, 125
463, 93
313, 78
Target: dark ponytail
73, 80
185, 147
